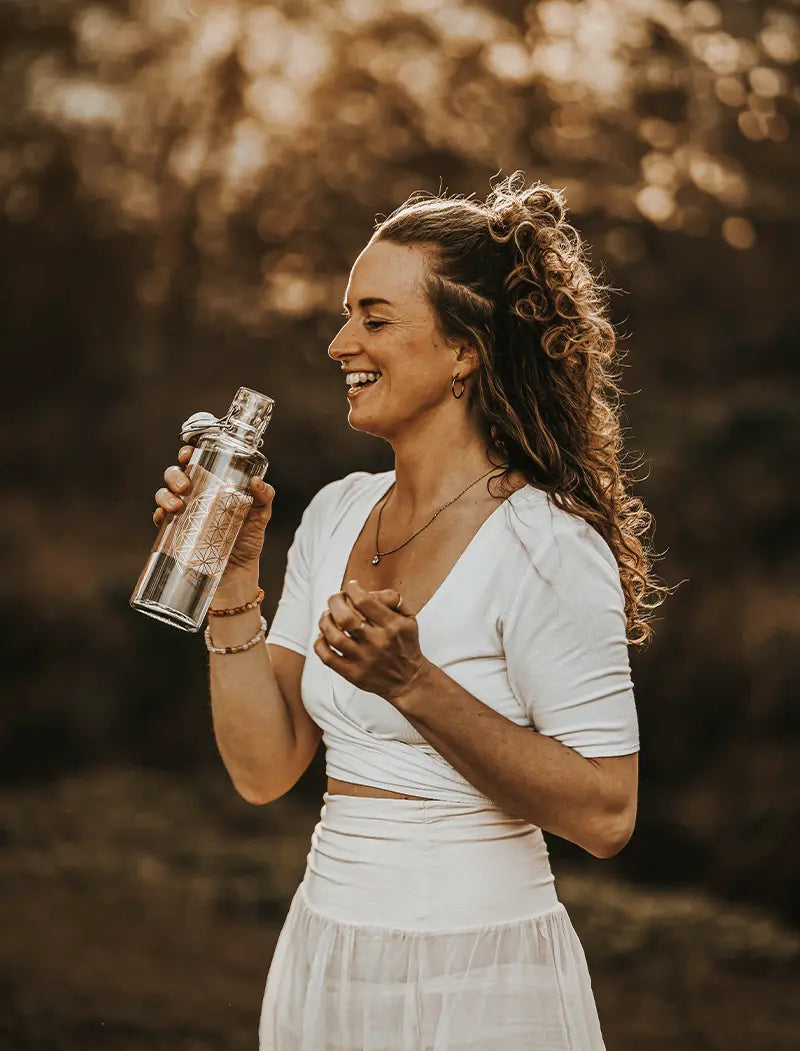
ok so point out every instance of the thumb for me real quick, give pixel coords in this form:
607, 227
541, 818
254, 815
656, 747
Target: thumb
263, 493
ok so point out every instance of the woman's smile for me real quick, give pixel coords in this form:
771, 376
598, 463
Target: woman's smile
353, 392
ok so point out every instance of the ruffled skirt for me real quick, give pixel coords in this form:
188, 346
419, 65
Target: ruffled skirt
427, 926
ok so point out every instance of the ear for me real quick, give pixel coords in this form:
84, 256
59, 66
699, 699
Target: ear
466, 358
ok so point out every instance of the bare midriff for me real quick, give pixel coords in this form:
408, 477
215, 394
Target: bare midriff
348, 788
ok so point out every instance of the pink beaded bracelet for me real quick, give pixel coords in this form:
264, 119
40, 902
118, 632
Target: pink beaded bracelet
261, 634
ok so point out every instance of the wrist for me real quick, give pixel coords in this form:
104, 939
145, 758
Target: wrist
412, 693
238, 586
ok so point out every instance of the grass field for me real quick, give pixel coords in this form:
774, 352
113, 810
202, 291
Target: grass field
142, 910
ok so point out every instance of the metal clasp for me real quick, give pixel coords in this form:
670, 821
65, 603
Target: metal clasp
200, 422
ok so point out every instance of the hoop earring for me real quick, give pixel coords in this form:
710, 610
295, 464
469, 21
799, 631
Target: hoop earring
453, 386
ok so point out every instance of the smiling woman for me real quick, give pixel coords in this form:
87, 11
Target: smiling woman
462, 648
395, 337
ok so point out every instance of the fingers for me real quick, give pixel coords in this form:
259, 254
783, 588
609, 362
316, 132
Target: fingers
170, 498
335, 637
263, 493
344, 613
177, 481
392, 598
368, 603
355, 607
167, 500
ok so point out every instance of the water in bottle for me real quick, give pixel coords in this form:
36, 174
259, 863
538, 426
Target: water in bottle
191, 551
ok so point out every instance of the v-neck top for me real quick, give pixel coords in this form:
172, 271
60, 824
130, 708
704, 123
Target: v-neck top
530, 620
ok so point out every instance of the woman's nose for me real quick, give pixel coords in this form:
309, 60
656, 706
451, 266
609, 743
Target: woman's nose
342, 344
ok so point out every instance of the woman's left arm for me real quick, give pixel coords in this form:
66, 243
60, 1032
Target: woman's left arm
589, 801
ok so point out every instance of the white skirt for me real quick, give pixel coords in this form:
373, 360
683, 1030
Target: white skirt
427, 926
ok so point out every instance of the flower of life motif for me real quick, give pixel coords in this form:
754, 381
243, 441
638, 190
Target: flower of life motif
207, 529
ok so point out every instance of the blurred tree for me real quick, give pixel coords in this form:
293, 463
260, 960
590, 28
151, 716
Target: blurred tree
183, 188
230, 139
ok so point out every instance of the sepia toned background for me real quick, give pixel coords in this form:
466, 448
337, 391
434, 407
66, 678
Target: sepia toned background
183, 188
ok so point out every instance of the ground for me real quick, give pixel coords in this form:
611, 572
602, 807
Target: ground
142, 910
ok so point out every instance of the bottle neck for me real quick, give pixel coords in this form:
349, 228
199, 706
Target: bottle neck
230, 440
245, 436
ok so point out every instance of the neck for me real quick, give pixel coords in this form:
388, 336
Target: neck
434, 462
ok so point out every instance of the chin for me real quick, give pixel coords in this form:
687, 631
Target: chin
372, 427
367, 423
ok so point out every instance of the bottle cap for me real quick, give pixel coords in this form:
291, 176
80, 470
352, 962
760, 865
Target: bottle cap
249, 414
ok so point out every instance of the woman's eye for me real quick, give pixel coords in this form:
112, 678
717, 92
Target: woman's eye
371, 324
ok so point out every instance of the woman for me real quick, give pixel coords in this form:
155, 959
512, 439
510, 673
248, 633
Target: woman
461, 648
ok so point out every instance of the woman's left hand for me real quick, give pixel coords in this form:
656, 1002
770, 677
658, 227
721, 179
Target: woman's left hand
380, 650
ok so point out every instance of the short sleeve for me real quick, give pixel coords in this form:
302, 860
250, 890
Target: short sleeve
291, 624
564, 636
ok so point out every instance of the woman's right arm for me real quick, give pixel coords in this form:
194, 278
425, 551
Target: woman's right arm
265, 736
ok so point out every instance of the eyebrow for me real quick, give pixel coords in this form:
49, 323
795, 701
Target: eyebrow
368, 301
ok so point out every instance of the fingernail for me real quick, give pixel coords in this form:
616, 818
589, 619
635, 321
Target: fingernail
180, 484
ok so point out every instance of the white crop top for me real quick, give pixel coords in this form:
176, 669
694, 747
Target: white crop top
530, 620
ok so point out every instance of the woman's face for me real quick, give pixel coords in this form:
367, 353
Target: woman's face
391, 328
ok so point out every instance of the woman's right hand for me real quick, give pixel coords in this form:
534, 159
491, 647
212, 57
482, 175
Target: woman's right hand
250, 539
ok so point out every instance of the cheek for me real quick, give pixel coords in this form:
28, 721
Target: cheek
412, 363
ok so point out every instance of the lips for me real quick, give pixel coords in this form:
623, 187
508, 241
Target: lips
353, 392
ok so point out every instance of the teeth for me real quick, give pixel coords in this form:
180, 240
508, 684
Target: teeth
352, 378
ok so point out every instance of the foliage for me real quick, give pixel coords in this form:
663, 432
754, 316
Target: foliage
231, 137
183, 188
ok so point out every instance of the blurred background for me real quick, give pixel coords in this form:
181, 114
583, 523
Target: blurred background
183, 189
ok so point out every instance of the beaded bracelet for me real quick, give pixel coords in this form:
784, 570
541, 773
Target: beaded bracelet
232, 610
235, 649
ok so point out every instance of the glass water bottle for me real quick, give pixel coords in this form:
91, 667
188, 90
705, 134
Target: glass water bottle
192, 548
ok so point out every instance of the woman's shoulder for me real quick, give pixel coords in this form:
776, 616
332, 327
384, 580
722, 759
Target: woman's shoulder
554, 540
354, 484
335, 498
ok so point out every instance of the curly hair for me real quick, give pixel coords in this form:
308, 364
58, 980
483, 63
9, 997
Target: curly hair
510, 277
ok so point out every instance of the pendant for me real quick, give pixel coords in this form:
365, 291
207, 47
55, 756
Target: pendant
375, 560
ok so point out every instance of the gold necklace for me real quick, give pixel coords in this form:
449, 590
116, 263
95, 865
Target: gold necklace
380, 554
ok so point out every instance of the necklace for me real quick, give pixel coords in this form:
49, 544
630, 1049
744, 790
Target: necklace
380, 554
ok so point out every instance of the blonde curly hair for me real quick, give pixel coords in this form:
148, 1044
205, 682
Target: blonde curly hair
510, 276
